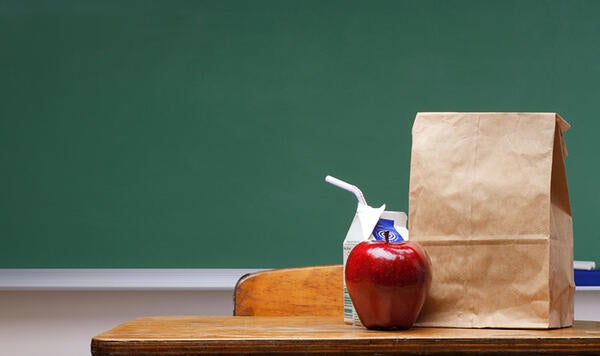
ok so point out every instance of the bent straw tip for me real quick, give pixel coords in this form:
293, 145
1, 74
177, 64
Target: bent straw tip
348, 187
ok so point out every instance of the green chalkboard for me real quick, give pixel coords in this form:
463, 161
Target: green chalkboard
198, 133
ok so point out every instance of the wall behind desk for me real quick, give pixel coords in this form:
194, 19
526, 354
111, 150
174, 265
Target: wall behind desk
198, 133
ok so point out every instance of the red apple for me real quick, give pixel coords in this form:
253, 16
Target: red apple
388, 282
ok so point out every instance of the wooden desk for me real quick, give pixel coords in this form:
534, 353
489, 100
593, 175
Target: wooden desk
194, 335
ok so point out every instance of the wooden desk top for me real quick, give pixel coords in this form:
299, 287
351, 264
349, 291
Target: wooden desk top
192, 335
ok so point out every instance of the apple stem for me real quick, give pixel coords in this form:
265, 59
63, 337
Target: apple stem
386, 233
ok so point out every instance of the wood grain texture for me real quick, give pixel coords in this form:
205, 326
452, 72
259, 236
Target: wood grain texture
291, 291
194, 335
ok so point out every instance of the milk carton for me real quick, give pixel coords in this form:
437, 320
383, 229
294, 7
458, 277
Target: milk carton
368, 224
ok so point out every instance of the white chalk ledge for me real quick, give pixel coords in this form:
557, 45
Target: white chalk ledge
132, 279
121, 279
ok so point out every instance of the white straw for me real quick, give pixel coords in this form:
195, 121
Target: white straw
347, 186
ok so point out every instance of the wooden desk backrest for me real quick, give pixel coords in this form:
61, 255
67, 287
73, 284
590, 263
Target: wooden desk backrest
302, 291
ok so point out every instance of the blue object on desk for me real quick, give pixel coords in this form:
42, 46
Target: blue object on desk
587, 278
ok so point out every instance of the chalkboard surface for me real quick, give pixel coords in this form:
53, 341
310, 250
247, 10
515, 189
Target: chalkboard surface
198, 133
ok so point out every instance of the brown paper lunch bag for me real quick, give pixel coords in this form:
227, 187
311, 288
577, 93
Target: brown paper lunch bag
489, 202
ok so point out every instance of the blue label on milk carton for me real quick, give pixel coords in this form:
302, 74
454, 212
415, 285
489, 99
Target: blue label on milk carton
384, 225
